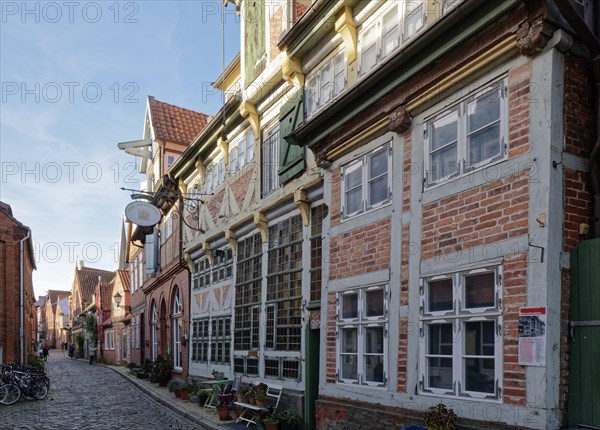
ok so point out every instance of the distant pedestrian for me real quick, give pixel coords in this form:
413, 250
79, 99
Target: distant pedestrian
92, 352
71, 350
45, 351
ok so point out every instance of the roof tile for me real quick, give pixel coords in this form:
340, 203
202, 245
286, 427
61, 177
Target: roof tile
174, 123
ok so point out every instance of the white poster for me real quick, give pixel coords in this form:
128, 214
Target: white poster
532, 336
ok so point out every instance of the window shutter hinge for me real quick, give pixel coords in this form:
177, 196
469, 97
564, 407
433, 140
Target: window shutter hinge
498, 329
504, 90
498, 389
425, 132
337, 375
384, 379
421, 331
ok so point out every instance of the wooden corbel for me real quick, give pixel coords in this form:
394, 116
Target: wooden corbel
201, 170
346, 27
232, 239
303, 204
223, 146
400, 120
292, 71
248, 110
261, 222
208, 252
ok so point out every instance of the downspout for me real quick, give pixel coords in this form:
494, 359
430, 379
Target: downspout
591, 41
21, 304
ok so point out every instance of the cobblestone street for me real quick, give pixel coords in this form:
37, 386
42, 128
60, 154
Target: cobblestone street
89, 397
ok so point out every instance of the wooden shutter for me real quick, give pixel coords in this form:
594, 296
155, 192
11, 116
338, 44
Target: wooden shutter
291, 157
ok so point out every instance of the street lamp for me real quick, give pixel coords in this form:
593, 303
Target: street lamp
118, 298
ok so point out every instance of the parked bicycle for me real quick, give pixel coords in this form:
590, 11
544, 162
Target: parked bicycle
26, 382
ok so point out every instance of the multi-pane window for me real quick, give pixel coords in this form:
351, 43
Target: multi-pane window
366, 182
467, 135
270, 160
248, 293
241, 152
215, 174
176, 323
326, 83
382, 36
211, 340
154, 331
221, 269
201, 276
284, 286
414, 18
461, 345
317, 215
362, 336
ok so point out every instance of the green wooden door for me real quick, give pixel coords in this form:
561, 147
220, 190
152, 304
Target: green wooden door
584, 323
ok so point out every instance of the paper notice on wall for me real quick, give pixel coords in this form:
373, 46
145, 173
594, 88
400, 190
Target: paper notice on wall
532, 336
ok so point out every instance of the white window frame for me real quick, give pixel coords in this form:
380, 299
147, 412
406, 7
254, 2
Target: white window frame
410, 10
464, 167
112, 340
215, 173
154, 331
363, 163
457, 316
243, 149
323, 92
360, 323
374, 27
270, 161
176, 322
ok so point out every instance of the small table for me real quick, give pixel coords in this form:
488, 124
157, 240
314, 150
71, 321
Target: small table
218, 387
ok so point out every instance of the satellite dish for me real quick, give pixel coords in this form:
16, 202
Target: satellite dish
143, 214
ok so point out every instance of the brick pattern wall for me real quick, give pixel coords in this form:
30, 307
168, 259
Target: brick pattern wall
362, 250
485, 214
336, 197
519, 90
214, 204
275, 25
577, 203
242, 182
578, 107
514, 296
402, 354
330, 369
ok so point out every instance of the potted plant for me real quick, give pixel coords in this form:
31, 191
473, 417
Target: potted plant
224, 401
176, 385
162, 369
260, 395
242, 393
289, 419
271, 423
439, 417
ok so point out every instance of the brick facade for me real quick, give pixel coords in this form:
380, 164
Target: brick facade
11, 234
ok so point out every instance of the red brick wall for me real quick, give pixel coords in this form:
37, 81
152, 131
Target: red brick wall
485, 214
330, 339
362, 250
275, 27
519, 90
514, 296
402, 354
214, 204
10, 236
241, 182
577, 203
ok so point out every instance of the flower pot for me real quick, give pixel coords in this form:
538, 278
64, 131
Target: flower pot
242, 398
177, 392
263, 403
272, 426
224, 413
185, 394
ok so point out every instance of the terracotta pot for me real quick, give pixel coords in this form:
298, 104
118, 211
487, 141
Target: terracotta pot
185, 394
224, 413
177, 393
242, 398
272, 426
263, 403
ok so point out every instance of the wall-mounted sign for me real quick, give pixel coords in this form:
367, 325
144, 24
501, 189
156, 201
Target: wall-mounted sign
532, 336
142, 213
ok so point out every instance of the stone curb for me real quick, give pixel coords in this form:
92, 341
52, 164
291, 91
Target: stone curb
203, 423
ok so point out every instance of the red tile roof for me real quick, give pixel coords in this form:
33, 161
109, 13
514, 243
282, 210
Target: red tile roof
88, 279
106, 293
125, 278
174, 123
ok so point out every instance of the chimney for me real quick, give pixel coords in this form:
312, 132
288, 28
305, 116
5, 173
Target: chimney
80, 265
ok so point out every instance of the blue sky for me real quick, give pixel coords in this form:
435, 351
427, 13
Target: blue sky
75, 77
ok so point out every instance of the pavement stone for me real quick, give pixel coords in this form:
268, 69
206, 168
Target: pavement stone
105, 397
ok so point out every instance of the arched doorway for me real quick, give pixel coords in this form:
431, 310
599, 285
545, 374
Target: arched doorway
154, 330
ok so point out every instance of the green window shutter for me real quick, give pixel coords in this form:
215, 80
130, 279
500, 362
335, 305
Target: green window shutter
291, 157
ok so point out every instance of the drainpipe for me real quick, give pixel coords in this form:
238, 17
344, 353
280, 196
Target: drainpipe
590, 39
21, 304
